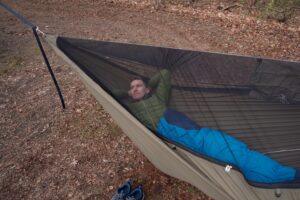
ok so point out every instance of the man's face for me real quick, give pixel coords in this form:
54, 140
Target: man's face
138, 90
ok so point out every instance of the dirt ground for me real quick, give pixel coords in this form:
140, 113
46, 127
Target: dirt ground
80, 153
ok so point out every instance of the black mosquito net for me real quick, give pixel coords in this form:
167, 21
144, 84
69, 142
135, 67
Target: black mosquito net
255, 100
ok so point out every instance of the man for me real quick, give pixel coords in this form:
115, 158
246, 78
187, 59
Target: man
149, 103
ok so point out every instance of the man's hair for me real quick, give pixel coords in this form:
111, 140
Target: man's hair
139, 78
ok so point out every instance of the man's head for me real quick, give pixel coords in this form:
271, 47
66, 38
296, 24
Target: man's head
138, 88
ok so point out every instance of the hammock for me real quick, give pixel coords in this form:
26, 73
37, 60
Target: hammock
255, 100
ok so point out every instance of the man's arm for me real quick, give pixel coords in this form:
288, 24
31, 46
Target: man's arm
120, 94
161, 84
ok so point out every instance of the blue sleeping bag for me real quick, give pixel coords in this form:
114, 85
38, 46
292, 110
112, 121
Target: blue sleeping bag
218, 145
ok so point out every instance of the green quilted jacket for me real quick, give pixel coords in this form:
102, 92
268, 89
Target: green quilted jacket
150, 109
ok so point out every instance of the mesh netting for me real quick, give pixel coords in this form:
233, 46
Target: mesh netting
255, 100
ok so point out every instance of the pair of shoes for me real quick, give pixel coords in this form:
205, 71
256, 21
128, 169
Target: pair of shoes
136, 194
124, 192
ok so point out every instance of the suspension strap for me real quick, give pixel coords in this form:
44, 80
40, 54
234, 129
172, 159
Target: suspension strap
20, 17
34, 29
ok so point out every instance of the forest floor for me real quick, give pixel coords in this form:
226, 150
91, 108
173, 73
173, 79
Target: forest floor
79, 152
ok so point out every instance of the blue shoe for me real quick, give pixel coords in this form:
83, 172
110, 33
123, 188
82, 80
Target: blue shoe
136, 194
122, 191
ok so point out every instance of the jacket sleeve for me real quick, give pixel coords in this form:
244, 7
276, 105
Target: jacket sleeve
120, 94
161, 84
